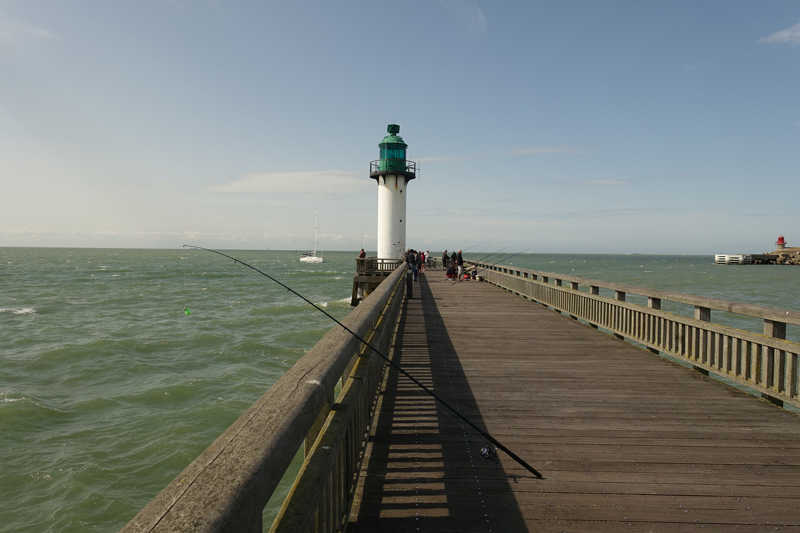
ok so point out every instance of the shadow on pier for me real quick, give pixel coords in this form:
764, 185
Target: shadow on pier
424, 471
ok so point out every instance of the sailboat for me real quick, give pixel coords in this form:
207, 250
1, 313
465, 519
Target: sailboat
311, 257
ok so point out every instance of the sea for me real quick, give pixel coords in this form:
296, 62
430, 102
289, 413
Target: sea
119, 366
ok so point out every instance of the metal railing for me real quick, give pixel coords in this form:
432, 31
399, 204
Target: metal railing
764, 363
227, 487
409, 166
374, 264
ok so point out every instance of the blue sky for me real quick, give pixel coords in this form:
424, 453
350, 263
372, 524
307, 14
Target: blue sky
559, 126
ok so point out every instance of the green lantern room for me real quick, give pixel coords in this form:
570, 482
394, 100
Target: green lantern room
393, 151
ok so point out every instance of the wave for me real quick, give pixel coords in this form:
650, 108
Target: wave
24, 311
342, 301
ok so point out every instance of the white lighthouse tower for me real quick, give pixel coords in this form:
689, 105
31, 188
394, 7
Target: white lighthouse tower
392, 172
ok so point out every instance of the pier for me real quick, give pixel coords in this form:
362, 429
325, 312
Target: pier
568, 373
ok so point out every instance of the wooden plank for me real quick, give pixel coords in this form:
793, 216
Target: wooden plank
621, 435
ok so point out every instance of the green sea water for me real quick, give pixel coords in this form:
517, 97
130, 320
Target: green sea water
108, 389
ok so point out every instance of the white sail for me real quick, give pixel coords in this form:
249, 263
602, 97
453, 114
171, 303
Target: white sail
312, 257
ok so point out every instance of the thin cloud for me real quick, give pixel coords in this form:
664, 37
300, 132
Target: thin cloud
630, 181
533, 151
523, 151
445, 158
468, 14
789, 36
604, 182
598, 213
767, 215
594, 213
12, 31
310, 183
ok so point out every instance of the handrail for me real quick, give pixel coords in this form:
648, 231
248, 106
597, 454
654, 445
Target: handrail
751, 310
766, 363
226, 488
323, 492
374, 264
409, 166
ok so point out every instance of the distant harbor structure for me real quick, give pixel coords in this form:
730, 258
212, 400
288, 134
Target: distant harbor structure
783, 255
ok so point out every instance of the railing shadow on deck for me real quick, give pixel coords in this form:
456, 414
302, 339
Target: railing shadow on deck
425, 471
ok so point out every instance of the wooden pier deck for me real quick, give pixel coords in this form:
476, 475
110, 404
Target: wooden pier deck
626, 440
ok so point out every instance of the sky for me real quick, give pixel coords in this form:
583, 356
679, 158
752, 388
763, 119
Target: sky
558, 126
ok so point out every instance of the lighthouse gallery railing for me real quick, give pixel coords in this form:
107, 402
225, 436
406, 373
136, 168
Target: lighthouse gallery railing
765, 363
226, 488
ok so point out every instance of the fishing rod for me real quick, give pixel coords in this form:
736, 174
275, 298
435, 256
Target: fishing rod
497, 263
503, 259
491, 254
487, 453
481, 250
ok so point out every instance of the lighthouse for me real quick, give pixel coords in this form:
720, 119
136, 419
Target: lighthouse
392, 173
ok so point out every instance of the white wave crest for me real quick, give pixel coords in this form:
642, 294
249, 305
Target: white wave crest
342, 301
25, 311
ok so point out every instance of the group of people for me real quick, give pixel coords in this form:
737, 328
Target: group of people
454, 265
416, 261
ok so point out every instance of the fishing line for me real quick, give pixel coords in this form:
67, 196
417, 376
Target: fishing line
491, 254
394, 365
504, 259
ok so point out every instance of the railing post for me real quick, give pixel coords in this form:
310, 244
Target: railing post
620, 296
594, 289
574, 286
699, 338
655, 333
776, 359
702, 313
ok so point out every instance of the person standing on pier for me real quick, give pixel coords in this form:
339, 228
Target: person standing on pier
411, 259
460, 265
445, 259
418, 260
363, 254
454, 258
